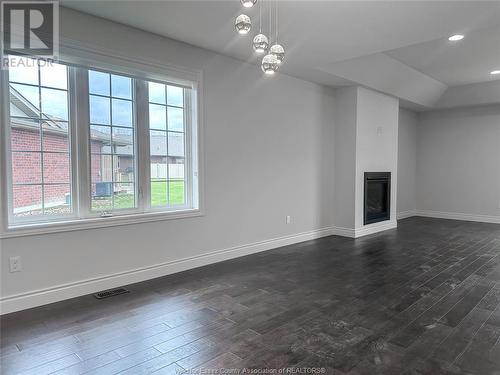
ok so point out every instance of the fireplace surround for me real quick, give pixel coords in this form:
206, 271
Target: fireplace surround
377, 199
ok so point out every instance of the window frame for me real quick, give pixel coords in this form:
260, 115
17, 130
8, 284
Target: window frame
79, 61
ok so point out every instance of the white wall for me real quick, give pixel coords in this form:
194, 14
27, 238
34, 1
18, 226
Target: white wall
458, 163
345, 156
407, 163
376, 145
366, 140
268, 154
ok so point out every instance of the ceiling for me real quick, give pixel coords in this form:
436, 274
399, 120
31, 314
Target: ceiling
322, 38
468, 61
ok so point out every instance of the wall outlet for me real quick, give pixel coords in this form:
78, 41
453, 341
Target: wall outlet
288, 219
15, 264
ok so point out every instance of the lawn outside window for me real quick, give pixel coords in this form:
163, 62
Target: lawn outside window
84, 146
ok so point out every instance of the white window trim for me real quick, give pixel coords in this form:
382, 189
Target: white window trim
145, 69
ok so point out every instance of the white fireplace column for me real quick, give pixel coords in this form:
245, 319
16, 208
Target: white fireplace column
365, 140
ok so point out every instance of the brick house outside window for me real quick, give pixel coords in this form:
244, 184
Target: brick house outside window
25, 135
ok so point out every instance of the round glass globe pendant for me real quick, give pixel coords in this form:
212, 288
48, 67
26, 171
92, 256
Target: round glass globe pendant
269, 64
260, 43
278, 51
243, 24
248, 3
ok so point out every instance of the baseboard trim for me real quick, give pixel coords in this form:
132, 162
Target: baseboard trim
58, 293
406, 214
459, 216
376, 228
366, 230
344, 232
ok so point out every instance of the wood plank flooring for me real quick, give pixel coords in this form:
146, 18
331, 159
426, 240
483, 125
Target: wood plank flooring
422, 299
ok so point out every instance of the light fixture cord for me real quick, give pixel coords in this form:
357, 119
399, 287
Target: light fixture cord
260, 17
276, 25
270, 20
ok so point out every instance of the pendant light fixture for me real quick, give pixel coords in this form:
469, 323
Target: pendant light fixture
270, 63
248, 3
243, 24
260, 42
277, 49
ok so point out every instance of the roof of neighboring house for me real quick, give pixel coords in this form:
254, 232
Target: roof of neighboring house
33, 115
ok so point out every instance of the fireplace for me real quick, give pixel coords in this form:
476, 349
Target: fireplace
377, 197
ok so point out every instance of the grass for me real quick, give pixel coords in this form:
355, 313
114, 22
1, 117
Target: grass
159, 196
159, 193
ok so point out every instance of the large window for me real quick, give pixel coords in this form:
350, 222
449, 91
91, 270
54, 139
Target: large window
85, 143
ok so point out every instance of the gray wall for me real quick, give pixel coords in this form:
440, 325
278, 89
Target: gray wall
407, 163
458, 163
345, 156
268, 154
376, 144
366, 140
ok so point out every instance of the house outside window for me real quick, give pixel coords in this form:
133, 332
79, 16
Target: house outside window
39, 140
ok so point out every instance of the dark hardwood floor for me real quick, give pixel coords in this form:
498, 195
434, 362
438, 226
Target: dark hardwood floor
422, 299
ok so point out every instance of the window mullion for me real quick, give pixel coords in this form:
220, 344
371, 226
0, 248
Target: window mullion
80, 91
196, 146
73, 142
188, 168
143, 147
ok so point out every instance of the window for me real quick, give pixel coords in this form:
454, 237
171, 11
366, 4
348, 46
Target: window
88, 143
112, 142
39, 140
167, 144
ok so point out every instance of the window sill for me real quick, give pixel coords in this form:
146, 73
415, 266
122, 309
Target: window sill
93, 223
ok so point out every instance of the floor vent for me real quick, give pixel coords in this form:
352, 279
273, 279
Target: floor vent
111, 293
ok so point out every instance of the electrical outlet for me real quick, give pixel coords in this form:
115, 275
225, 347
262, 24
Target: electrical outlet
15, 264
288, 219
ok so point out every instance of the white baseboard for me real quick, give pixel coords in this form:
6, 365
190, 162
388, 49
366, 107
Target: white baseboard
365, 230
344, 232
375, 228
406, 214
45, 296
459, 216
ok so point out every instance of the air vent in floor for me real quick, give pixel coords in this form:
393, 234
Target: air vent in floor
110, 293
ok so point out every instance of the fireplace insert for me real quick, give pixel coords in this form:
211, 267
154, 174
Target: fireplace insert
377, 205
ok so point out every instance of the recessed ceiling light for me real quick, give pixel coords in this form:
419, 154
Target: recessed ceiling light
495, 72
456, 37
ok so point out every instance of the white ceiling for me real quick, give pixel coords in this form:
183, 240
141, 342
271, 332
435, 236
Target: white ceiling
467, 61
320, 34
